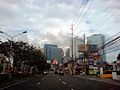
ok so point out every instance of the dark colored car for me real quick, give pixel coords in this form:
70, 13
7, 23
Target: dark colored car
56, 72
61, 72
45, 73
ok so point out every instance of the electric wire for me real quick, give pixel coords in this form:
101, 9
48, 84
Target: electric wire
84, 14
80, 13
109, 39
107, 19
77, 14
107, 10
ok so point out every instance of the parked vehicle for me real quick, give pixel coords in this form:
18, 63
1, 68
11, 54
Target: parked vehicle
61, 72
45, 73
57, 72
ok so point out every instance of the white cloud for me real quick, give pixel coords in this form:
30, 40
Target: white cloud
48, 21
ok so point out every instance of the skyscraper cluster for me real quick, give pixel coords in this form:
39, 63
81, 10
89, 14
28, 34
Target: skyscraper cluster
53, 52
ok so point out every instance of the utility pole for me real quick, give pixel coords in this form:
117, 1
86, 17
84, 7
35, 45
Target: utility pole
72, 40
84, 55
72, 61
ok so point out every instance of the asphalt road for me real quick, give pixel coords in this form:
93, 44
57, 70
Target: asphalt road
56, 82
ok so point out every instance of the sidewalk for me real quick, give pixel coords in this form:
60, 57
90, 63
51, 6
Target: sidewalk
94, 78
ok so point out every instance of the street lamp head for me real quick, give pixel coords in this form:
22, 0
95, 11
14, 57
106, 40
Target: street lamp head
25, 32
1, 32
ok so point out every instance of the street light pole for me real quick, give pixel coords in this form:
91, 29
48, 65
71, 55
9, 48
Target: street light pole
11, 45
14, 35
72, 40
72, 50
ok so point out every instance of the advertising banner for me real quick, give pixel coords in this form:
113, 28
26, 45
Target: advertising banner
91, 67
94, 56
91, 63
95, 70
83, 48
91, 59
91, 71
54, 61
93, 48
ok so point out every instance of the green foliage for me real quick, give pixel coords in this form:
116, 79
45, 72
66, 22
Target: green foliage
48, 66
23, 53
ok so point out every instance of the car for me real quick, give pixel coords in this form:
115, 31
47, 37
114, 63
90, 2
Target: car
61, 72
45, 73
57, 72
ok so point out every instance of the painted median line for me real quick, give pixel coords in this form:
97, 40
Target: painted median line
13, 84
63, 82
41, 81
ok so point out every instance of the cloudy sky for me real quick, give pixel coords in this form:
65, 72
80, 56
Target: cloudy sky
49, 21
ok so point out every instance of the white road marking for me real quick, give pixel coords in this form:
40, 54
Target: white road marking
41, 81
38, 83
72, 89
63, 82
12, 84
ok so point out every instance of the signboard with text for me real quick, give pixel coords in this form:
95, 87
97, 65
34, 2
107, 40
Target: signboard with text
93, 48
83, 48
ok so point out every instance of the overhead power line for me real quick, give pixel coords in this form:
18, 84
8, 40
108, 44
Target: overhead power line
107, 19
84, 14
115, 50
78, 12
113, 43
106, 11
112, 48
109, 39
108, 43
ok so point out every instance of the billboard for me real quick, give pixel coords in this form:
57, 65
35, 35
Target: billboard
91, 63
91, 71
93, 48
91, 67
54, 61
95, 70
83, 48
81, 56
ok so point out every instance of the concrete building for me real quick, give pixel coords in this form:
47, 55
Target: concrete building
97, 39
76, 43
68, 52
53, 52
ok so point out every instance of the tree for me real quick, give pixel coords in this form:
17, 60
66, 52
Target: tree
118, 57
48, 66
25, 55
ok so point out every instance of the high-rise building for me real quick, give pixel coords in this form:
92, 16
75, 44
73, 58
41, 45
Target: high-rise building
68, 52
98, 39
76, 43
53, 52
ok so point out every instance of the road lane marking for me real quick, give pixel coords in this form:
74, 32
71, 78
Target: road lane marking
72, 89
13, 84
38, 83
63, 82
41, 81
